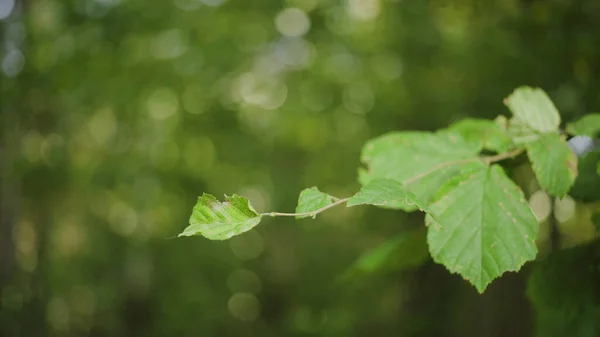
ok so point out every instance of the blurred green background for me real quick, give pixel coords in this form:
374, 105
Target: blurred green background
117, 114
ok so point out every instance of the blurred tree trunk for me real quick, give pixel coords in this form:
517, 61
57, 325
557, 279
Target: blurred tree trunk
10, 189
9, 196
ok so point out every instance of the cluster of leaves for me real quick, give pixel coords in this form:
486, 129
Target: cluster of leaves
479, 223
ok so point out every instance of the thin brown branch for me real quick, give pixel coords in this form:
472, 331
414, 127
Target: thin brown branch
313, 213
496, 158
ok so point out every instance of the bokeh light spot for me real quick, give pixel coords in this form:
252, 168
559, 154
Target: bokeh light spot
258, 196
294, 53
25, 238
244, 306
102, 125
169, 44
162, 104
188, 5
31, 146
342, 66
213, 3
358, 98
57, 314
122, 218
292, 22
386, 66
247, 246
564, 209
363, 10
13, 63
266, 92
540, 205
69, 238
305, 5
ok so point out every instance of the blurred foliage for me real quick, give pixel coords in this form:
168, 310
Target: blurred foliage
117, 114
587, 183
563, 291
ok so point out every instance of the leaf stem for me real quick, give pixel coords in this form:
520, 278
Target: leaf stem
498, 157
313, 213
488, 160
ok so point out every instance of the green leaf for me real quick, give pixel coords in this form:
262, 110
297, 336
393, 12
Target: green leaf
311, 200
221, 220
501, 121
588, 125
405, 251
554, 164
521, 133
380, 192
421, 161
533, 108
587, 184
488, 134
482, 226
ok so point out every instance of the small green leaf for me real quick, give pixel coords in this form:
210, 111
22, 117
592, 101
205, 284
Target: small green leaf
310, 200
554, 164
486, 133
421, 161
501, 121
380, 192
221, 220
483, 226
588, 125
533, 107
405, 251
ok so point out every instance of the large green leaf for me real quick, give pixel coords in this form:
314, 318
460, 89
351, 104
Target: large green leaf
488, 134
421, 161
381, 192
311, 200
588, 125
520, 132
533, 108
482, 225
221, 220
554, 163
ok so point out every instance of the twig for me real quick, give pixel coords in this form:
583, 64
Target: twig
502, 156
313, 213
488, 160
